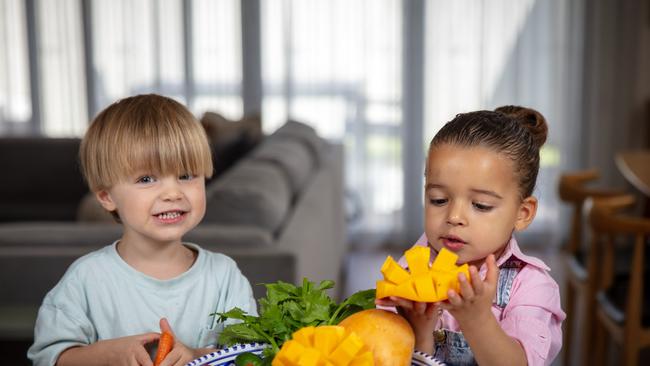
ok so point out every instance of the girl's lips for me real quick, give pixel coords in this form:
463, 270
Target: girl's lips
452, 243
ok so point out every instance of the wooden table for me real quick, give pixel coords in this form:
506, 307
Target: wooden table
635, 167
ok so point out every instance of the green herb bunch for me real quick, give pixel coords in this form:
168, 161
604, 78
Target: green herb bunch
287, 308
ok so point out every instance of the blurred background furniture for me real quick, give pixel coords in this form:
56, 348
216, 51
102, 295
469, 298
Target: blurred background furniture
623, 303
635, 167
582, 268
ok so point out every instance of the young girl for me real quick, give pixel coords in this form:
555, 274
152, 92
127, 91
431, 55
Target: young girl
480, 176
146, 159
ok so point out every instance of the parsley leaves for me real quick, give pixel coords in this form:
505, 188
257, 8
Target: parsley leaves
287, 308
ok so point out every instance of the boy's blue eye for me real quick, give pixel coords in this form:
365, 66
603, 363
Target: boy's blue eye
146, 179
437, 201
186, 176
482, 207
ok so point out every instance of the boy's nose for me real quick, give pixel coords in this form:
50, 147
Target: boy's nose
171, 191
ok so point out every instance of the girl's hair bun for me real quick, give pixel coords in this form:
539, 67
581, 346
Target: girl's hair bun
531, 119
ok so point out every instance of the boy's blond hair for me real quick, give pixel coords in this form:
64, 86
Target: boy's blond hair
148, 133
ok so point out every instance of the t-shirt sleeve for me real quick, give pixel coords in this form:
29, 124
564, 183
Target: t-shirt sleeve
240, 293
534, 317
60, 324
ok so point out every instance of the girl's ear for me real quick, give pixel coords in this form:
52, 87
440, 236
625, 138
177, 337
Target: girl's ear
105, 199
526, 214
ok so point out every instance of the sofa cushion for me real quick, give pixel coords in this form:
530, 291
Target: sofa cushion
253, 192
305, 134
42, 179
230, 140
293, 157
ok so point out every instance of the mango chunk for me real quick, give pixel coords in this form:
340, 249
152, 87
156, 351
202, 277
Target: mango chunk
418, 260
421, 282
393, 272
323, 346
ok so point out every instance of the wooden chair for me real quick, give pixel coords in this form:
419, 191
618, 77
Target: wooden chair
581, 268
623, 304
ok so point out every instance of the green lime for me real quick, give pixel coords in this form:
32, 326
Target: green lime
248, 359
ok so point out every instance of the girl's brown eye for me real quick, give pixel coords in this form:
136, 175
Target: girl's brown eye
482, 207
438, 201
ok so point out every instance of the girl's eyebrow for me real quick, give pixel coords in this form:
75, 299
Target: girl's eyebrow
489, 193
475, 190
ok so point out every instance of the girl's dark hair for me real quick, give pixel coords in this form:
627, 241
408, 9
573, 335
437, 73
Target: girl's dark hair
517, 132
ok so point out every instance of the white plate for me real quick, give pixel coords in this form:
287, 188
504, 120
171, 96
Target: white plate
226, 356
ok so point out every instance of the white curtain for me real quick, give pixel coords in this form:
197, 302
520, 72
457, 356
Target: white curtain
15, 103
336, 65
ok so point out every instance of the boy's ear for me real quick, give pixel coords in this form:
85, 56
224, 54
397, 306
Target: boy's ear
526, 214
105, 199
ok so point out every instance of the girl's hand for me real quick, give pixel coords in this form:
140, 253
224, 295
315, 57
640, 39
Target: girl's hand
474, 303
180, 354
421, 315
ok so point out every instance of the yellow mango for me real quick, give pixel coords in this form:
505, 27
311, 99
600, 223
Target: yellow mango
424, 288
406, 290
422, 283
445, 260
418, 260
304, 336
326, 338
347, 350
385, 289
393, 272
323, 346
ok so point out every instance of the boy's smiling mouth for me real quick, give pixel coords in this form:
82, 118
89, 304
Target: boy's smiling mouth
170, 217
452, 242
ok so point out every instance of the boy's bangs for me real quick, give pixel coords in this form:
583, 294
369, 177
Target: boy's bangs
165, 155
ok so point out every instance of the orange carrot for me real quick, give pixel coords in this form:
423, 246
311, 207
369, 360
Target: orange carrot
165, 345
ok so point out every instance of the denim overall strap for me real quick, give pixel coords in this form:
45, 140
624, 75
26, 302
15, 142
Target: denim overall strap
451, 347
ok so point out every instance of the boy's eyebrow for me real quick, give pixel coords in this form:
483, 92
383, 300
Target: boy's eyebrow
476, 190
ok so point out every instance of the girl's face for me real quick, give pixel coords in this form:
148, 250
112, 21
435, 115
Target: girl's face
156, 209
472, 202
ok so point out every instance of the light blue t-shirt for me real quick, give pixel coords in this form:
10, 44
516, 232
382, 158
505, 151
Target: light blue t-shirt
101, 297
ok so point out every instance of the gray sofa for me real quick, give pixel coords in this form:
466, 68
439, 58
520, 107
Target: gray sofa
277, 211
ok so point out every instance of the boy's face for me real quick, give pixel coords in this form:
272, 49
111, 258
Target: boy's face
156, 209
472, 202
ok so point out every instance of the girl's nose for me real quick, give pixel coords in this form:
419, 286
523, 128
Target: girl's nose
456, 216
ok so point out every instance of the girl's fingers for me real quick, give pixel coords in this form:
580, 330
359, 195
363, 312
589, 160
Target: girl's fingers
465, 288
420, 307
492, 271
403, 303
454, 298
477, 284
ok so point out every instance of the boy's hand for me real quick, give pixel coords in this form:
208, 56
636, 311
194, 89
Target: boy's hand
474, 302
421, 315
123, 351
180, 354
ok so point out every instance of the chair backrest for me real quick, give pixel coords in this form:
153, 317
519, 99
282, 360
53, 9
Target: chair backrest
609, 224
572, 189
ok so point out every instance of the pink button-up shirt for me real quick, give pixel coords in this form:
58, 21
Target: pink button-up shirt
533, 316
